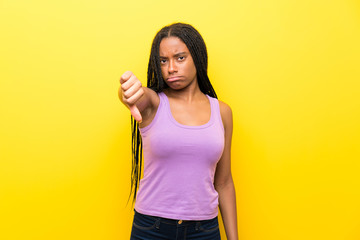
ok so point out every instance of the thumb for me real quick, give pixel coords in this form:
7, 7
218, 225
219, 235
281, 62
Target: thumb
135, 113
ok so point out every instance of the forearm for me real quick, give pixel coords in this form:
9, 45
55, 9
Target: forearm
227, 205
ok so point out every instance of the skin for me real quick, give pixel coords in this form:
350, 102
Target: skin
189, 106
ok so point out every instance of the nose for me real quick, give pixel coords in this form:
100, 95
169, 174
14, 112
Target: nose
172, 67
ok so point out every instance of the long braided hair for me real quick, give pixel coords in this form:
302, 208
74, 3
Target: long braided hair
196, 45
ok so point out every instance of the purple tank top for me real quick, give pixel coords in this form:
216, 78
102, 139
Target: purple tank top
179, 165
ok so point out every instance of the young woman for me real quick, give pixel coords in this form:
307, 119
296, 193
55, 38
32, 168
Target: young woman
186, 137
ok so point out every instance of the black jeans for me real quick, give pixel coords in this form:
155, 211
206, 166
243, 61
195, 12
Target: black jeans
147, 227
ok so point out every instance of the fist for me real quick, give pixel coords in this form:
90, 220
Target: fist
130, 92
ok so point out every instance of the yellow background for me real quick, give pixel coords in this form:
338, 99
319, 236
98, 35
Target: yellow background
289, 70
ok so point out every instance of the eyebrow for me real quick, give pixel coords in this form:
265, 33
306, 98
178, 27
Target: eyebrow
176, 55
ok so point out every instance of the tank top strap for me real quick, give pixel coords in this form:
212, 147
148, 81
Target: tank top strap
215, 111
162, 96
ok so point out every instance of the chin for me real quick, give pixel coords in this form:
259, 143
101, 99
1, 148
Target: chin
175, 86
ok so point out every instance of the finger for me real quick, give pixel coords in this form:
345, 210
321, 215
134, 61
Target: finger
135, 113
131, 81
132, 90
134, 98
126, 76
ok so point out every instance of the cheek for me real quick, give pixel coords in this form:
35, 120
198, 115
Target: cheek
163, 71
192, 69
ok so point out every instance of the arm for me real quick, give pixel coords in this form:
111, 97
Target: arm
141, 101
223, 182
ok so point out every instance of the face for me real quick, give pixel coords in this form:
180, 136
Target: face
177, 66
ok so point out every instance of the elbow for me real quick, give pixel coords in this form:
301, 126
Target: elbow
224, 183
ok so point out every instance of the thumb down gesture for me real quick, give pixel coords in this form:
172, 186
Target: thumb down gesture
130, 92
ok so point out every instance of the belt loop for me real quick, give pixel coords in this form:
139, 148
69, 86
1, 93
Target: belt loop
157, 223
197, 226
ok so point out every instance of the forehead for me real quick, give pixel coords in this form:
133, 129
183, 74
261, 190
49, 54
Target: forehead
172, 45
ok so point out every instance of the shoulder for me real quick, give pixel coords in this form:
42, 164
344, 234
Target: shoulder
149, 106
154, 96
153, 99
225, 110
226, 114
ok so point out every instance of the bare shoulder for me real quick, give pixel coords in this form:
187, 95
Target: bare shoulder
153, 97
148, 106
226, 114
225, 110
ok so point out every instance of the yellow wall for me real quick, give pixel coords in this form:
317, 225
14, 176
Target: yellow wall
289, 70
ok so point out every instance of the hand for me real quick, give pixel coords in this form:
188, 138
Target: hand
131, 92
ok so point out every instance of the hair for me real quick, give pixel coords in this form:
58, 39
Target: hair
196, 45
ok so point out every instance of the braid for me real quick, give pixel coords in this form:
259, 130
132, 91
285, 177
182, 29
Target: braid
196, 45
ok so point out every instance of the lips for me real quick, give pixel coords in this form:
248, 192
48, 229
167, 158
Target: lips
173, 79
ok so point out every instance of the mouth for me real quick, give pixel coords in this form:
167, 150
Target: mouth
173, 79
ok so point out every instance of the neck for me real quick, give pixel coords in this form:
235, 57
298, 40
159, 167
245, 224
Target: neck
188, 94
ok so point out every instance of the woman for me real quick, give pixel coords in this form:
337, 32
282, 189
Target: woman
186, 133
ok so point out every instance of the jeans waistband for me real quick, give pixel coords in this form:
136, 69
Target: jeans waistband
171, 221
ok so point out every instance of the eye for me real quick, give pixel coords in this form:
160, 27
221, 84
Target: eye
181, 58
163, 61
